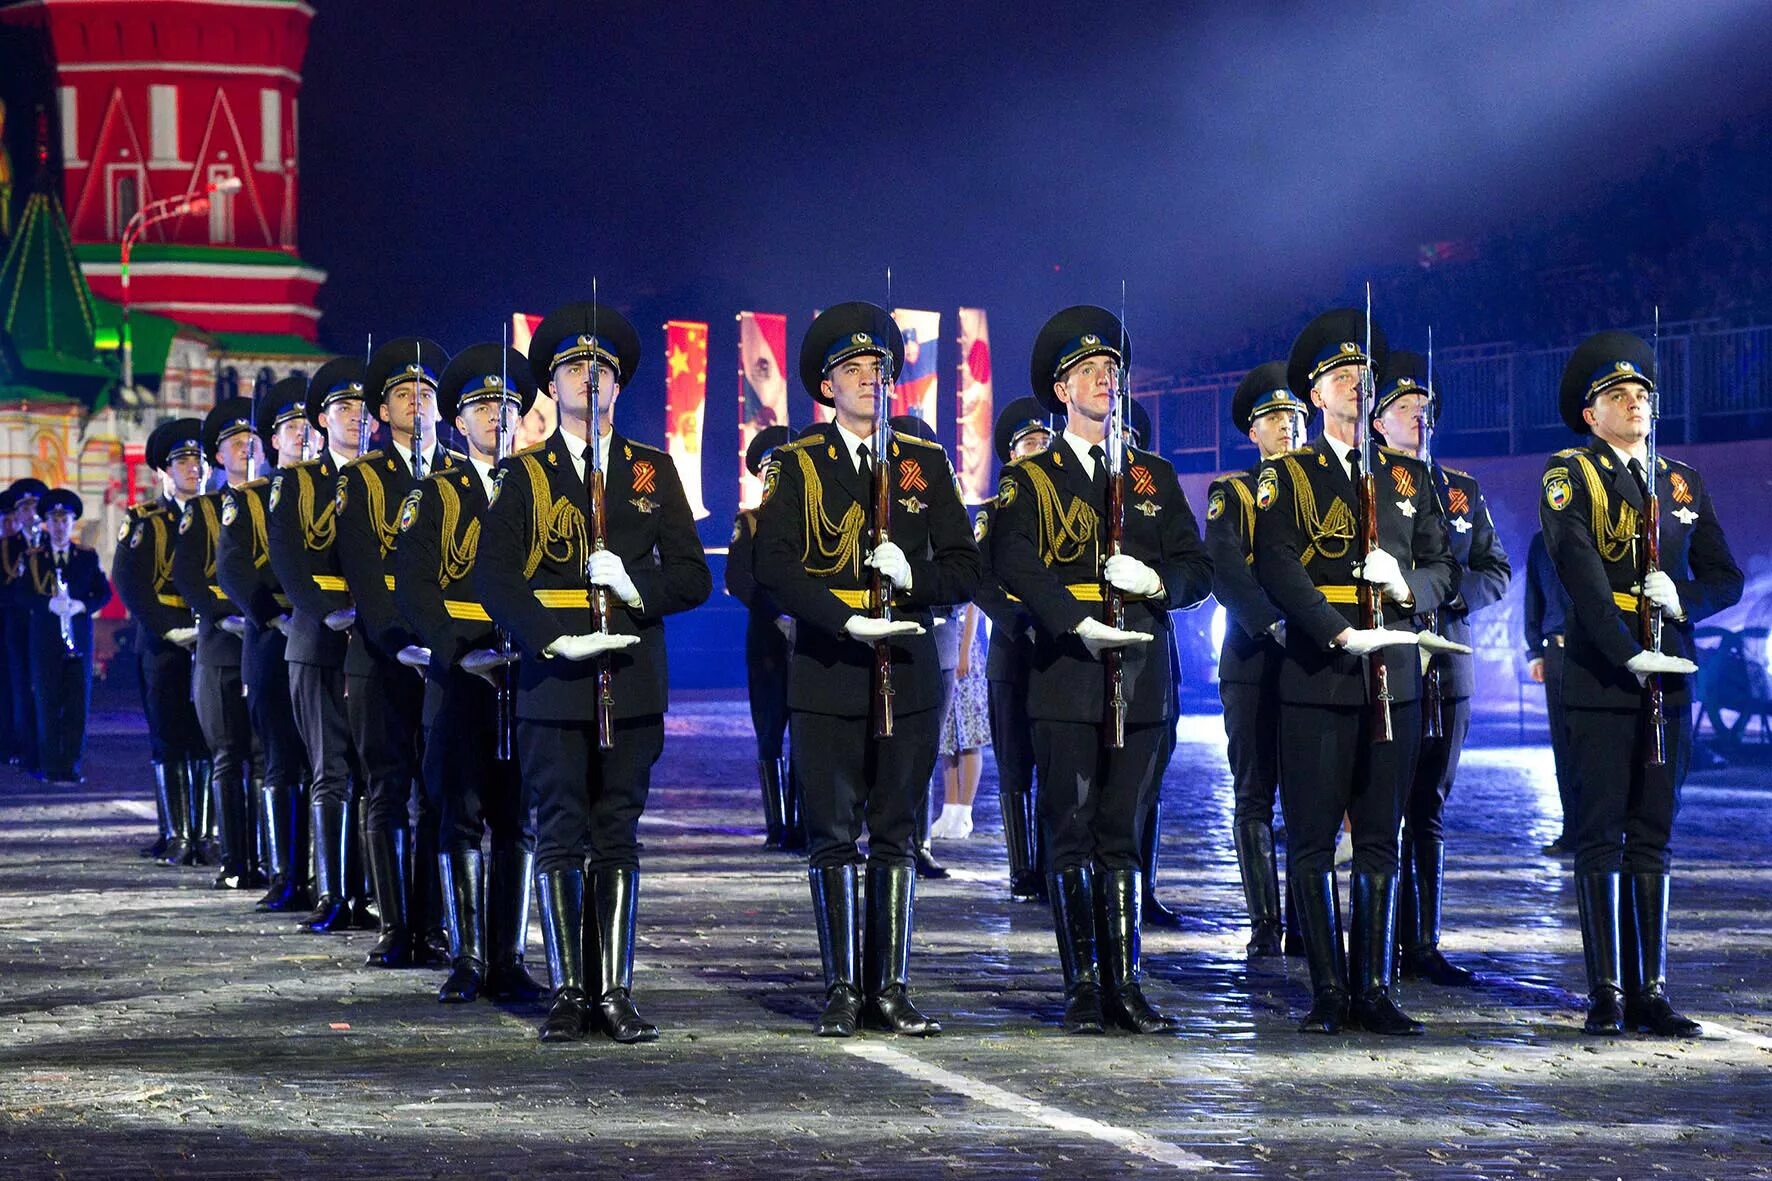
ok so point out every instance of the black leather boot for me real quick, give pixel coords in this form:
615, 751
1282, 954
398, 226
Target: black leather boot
793, 824
1408, 919
1155, 913
1317, 907
162, 814
769, 780
926, 864
331, 908
1118, 893
429, 908
1596, 898
257, 856
1646, 1007
233, 830
1293, 943
886, 954
836, 907
175, 783
1421, 957
274, 840
1073, 920
295, 893
508, 877
1254, 841
617, 899
1019, 841
204, 848
464, 897
1372, 957
562, 927
389, 852
359, 882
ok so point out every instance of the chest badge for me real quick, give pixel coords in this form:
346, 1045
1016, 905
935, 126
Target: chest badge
1142, 483
1404, 481
1147, 507
1686, 516
1457, 501
1406, 507
912, 505
644, 504
1682, 490
1461, 524
645, 479
910, 477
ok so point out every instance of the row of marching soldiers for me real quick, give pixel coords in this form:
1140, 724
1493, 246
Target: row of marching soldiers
364, 618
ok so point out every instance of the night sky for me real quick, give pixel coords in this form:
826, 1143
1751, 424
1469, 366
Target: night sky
464, 160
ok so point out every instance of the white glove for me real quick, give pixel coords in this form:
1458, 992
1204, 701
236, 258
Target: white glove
867, 629
281, 623
342, 619
1098, 636
184, 637
233, 625
1276, 631
1129, 574
785, 624
1661, 591
1646, 663
584, 647
66, 606
890, 561
606, 569
1433, 644
484, 660
1365, 641
1381, 569
413, 656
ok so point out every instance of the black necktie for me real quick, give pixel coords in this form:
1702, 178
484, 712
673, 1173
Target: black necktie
862, 465
1636, 473
1101, 472
1353, 467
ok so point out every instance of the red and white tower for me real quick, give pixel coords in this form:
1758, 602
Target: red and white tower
160, 98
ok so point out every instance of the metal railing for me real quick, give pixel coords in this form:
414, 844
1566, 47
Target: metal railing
1501, 399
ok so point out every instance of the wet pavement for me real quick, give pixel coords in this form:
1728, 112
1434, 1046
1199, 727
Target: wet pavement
152, 1026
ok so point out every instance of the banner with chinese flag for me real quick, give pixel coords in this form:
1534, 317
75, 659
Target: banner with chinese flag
973, 424
762, 389
686, 397
915, 393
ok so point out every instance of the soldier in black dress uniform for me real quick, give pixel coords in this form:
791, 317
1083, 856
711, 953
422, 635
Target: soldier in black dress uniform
484, 392
535, 573
768, 647
26, 530
1404, 412
243, 568
811, 554
1308, 560
141, 570
1022, 429
1592, 516
10, 547
218, 687
65, 586
1049, 547
301, 529
385, 701
1546, 611
1266, 410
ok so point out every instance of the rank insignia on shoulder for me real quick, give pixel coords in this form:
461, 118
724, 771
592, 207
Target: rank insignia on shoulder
1404, 480
1147, 507
1557, 491
276, 491
912, 505
230, 510
409, 509
1215, 506
644, 504
981, 526
1267, 488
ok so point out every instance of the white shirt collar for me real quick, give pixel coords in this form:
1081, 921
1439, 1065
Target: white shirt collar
1080, 448
339, 461
575, 447
853, 442
404, 453
1625, 457
1343, 452
483, 469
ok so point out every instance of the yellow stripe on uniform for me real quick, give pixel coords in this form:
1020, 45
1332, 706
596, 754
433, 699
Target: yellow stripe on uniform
1625, 600
171, 600
564, 598
330, 582
462, 609
1341, 594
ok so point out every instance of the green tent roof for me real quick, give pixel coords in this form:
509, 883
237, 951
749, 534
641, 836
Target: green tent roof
269, 344
46, 308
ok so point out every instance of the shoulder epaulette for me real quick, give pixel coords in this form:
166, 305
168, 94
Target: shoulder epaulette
364, 458
639, 446
456, 457
531, 449
1452, 471
1569, 453
917, 439
797, 444
1294, 452
258, 483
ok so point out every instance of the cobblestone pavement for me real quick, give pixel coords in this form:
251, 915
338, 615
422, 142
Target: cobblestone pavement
152, 1026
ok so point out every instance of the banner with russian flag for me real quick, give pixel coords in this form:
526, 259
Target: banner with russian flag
686, 396
916, 381
762, 389
973, 425
539, 423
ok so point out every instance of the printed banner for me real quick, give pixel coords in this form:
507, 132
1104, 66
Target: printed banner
974, 427
686, 396
539, 423
916, 381
762, 389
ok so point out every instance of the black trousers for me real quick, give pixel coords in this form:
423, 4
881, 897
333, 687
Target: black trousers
1624, 812
17, 624
1012, 737
318, 695
766, 658
472, 790
587, 800
1093, 800
1558, 718
8, 742
1329, 765
272, 710
386, 712
62, 686
172, 713
850, 780
227, 725
1252, 745
1435, 769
